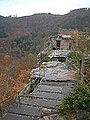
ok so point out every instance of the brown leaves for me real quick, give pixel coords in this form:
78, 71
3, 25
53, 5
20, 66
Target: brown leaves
75, 32
9, 86
14, 75
87, 76
6, 60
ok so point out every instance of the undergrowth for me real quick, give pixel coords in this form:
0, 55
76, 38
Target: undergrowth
77, 101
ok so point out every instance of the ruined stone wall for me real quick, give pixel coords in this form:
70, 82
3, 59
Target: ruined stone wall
64, 45
53, 43
65, 38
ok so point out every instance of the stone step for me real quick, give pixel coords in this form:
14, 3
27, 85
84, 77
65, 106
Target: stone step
54, 79
45, 95
68, 83
24, 110
10, 116
40, 102
53, 89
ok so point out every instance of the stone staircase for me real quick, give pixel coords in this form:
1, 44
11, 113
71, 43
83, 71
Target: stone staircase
57, 79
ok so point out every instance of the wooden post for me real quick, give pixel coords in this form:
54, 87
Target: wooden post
18, 98
82, 67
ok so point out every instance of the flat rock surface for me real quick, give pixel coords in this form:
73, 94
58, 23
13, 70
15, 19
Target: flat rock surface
53, 89
53, 71
24, 110
18, 117
59, 53
48, 95
40, 102
51, 83
51, 64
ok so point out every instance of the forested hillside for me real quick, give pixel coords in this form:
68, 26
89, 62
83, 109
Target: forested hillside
24, 33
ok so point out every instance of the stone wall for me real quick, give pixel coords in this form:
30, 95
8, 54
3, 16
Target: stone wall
65, 38
65, 43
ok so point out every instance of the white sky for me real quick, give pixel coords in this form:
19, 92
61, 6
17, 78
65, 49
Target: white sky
29, 7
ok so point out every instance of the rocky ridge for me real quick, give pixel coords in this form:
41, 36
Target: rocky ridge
55, 80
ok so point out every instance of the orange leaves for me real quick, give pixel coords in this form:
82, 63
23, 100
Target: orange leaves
20, 69
24, 76
75, 32
16, 74
30, 54
6, 60
9, 86
87, 76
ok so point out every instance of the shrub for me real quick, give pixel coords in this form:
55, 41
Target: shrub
88, 62
3, 34
75, 58
76, 100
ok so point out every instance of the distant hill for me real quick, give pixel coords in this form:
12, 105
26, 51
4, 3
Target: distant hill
29, 33
1, 17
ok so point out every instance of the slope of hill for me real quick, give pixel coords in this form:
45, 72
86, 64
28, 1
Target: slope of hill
29, 33
1, 17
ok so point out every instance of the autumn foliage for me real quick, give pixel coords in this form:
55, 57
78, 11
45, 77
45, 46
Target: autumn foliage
14, 77
6, 60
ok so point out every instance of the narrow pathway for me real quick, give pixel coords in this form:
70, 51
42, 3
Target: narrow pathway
57, 79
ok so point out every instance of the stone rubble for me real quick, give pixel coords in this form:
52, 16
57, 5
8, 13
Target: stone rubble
59, 53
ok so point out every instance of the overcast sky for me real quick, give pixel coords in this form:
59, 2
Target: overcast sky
29, 7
